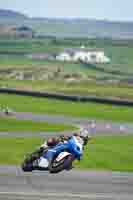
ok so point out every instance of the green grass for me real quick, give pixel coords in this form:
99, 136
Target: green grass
103, 153
81, 88
19, 62
12, 150
23, 63
28, 46
67, 108
12, 124
109, 153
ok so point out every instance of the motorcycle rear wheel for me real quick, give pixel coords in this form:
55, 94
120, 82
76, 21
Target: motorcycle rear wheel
27, 165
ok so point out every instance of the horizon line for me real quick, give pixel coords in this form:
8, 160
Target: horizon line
69, 17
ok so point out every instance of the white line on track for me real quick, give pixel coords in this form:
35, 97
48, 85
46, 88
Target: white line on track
88, 196
57, 195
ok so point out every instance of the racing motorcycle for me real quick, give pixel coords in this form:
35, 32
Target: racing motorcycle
57, 158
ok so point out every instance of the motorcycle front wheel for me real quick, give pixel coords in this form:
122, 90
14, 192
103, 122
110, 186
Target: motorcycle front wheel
66, 163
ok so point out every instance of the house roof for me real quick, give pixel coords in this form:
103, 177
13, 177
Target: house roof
71, 51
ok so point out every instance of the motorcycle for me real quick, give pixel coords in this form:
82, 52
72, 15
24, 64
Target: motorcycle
55, 159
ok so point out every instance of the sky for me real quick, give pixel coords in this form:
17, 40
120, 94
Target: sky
118, 10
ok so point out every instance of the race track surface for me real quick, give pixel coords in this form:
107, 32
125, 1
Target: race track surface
94, 126
72, 185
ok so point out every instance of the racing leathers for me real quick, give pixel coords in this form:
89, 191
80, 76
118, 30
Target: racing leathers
52, 152
50, 143
54, 141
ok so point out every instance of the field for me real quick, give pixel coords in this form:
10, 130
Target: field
109, 153
87, 110
103, 153
45, 75
11, 124
120, 52
83, 88
28, 46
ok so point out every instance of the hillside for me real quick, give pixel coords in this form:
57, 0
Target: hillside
83, 28
11, 14
88, 28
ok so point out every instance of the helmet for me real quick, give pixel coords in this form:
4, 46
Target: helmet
84, 134
52, 142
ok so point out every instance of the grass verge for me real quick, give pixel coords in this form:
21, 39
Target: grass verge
103, 153
76, 109
84, 88
11, 124
109, 153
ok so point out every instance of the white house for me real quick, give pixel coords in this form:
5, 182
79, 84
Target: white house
87, 55
64, 56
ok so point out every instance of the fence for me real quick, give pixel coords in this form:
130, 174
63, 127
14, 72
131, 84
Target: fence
75, 98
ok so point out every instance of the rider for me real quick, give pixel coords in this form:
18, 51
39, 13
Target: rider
53, 141
67, 146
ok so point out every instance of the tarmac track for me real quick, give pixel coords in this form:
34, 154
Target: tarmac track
94, 126
72, 185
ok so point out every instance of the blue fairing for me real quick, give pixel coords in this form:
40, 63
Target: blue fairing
71, 146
